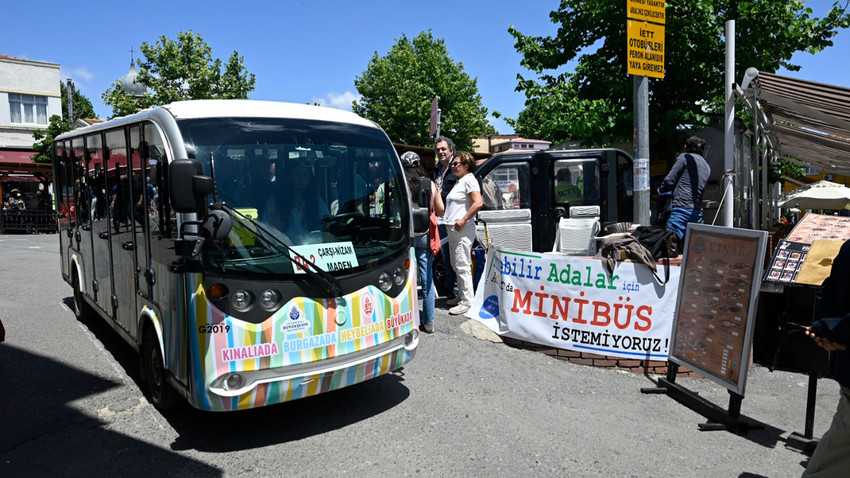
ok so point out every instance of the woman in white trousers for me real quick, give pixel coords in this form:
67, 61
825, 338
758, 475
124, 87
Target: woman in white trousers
462, 204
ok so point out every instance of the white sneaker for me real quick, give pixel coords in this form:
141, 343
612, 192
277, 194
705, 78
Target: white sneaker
453, 301
459, 309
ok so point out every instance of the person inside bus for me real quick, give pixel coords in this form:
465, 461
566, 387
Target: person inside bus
377, 187
565, 191
294, 207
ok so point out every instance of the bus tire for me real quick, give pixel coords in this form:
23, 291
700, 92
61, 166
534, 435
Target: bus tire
161, 394
81, 308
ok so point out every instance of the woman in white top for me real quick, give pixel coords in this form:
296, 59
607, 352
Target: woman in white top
462, 204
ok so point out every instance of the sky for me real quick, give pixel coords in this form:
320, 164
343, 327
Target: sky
306, 51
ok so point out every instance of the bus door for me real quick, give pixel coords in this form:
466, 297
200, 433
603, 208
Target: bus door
506, 190
120, 228
77, 164
101, 285
83, 212
63, 178
143, 192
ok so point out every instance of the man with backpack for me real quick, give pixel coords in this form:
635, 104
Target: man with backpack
686, 182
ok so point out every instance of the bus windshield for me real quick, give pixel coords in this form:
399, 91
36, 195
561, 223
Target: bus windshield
332, 192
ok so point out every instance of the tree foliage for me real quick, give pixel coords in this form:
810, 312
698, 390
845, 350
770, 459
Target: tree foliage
44, 138
397, 89
182, 69
595, 102
60, 124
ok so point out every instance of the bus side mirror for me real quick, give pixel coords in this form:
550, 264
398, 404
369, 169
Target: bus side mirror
424, 199
183, 173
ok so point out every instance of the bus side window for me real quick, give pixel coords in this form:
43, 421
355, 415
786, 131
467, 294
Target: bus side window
163, 220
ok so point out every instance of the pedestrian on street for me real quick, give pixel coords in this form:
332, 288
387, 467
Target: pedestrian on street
462, 204
686, 182
413, 171
831, 458
445, 180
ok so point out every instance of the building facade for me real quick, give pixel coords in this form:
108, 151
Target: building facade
29, 96
500, 143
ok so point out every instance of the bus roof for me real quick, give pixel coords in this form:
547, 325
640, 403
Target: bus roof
194, 109
261, 109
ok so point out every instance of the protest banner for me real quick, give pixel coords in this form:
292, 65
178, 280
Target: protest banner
573, 303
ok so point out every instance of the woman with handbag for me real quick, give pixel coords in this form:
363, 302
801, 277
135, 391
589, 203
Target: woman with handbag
425, 245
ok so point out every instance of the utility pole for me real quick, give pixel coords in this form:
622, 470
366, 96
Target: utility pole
641, 150
435, 118
729, 136
70, 93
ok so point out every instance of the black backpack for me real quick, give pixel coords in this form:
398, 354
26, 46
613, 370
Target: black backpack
659, 241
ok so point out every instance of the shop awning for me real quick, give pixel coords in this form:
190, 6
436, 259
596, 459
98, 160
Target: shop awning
16, 156
807, 122
17, 166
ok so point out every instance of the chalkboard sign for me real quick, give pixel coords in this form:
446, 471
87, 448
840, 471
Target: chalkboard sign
719, 283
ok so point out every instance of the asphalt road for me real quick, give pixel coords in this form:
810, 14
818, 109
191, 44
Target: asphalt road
71, 405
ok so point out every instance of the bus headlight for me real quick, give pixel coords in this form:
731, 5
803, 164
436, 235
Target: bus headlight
399, 276
269, 299
241, 300
384, 282
233, 382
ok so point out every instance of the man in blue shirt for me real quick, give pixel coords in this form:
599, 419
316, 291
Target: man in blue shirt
686, 181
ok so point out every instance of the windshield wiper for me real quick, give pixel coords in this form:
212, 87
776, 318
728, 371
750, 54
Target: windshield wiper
328, 282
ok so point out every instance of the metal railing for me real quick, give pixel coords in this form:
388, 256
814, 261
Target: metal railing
27, 221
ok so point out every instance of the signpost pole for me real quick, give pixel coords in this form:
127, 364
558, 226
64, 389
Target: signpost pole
641, 150
645, 57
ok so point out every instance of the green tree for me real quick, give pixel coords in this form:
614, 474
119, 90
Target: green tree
594, 103
182, 69
44, 138
60, 124
82, 105
397, 89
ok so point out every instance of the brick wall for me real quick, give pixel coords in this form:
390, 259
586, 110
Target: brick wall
583, 358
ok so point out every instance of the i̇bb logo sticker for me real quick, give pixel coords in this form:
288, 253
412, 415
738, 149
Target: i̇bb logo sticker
295, 322
368, 307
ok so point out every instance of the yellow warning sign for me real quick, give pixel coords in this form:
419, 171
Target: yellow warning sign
648, 10
645, 49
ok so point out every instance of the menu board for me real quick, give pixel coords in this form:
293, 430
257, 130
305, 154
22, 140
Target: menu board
820, 227
719, 283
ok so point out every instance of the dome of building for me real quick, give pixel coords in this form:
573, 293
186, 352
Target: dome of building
130, 83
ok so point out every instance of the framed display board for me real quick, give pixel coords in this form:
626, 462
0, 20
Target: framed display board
719, 283
805, 255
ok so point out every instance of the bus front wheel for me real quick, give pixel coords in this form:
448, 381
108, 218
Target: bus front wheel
161, 394
81, 308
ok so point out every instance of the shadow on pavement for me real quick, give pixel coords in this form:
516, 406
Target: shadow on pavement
286, 422
44, 435
247, 429
747, 428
